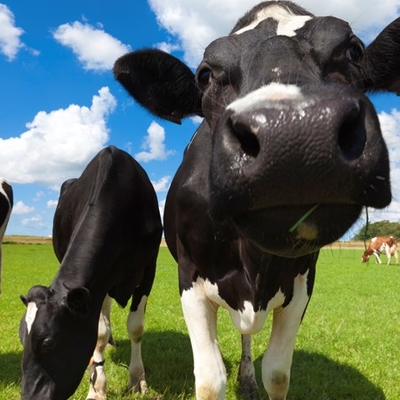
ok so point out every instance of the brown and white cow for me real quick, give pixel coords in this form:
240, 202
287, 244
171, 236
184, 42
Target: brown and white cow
379, 245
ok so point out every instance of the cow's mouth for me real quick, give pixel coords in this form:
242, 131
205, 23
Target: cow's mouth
293, 231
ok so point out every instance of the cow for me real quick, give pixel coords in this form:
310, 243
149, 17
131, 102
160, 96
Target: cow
106, 233
381, 244
6, 205
289, 152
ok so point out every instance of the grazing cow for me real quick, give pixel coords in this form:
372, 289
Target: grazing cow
289, 152
381, 244
106, 233
6, 204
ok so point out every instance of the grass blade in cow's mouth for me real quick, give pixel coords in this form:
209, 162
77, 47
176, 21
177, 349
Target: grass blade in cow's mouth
273, 231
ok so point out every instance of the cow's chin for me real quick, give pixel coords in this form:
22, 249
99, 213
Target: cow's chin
297, 230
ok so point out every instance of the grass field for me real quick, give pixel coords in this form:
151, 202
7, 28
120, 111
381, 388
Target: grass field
348, 347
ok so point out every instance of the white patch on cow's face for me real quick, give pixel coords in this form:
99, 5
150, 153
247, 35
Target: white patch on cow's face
30, 315
272, 93
288, 23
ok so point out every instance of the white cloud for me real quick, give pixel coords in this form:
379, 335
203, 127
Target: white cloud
390, 125
196, 24
154, 143
58, 144
35, 222
162, 185
10, 42
21, 208
52, 203
95, 49
167, 47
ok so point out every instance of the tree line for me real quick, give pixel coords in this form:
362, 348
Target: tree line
380, 228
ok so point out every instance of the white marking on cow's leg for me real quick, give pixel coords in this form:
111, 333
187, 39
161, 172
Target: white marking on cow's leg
98, 381
31, 310
378, 259
396, 255
277, 360
135, 326
388, 253
201, 319
246, 375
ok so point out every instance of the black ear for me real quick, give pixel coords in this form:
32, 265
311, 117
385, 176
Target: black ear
159, 82
381, 63
78, 302
24, 300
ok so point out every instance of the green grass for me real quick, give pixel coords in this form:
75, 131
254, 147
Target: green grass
348, 347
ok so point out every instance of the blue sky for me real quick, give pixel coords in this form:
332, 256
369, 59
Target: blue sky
60, 103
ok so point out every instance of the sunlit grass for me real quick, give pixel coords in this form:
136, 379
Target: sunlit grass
348, 347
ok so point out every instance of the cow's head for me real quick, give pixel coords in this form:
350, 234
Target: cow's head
365, 257
297, 149
56, 334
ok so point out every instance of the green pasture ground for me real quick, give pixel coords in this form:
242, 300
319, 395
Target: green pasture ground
348, 347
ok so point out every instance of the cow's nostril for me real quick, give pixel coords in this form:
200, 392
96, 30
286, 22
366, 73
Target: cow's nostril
352, 133
246, 134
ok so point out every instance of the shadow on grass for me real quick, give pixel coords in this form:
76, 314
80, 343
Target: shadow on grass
315, 376
168, 361
169, 371
10, 368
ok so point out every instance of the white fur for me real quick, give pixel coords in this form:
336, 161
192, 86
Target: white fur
200, 307
30, 315
288, 23
271, 94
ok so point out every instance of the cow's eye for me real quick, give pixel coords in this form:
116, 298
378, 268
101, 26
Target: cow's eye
204, 76
355, 52
47, 344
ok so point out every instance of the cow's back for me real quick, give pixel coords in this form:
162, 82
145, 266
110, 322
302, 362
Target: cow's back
111, 206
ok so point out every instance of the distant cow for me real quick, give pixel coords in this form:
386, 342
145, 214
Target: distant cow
379, 245
289, 152
106, 233
6, 205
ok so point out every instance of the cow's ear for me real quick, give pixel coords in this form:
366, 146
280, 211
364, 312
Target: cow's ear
159, 82
78, 302
24, 299
381, 62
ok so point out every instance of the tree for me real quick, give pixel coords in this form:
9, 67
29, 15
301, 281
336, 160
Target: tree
380, 228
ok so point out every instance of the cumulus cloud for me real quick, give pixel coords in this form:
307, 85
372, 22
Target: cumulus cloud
196, 24
154, 145
390, 125
10, 35
161, 185
95, 49
52, 203
21, 208
58, 144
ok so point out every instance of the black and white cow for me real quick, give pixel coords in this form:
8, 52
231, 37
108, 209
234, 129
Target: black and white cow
106, 233
289, 152
6, 205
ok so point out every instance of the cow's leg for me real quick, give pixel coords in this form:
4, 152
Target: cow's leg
396, 256
98, 384
246, 376
388, 255
135, 326
378, 259
277, 360
201, 319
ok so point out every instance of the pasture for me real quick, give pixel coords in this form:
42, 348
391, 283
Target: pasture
348, 347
